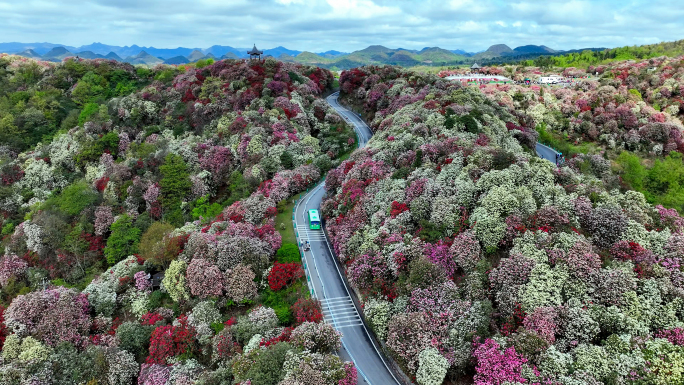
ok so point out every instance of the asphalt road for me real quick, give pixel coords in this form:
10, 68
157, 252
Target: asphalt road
546, 152
328, 285
325, 277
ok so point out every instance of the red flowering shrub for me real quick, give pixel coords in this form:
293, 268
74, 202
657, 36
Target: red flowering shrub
151, 318
171, 341
307, 310
283, 274
224, 346
283, 337
101, 184
398, 208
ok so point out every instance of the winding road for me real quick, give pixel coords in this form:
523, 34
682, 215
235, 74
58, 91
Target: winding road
325, 276
327, 284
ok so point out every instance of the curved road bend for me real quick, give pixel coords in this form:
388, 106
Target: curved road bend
546, 152
329, 287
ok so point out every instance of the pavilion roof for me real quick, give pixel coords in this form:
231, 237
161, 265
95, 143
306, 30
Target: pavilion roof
255, 51
475, 66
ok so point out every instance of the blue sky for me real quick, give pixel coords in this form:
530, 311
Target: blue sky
344, 25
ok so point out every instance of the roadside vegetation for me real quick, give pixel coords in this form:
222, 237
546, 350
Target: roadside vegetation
146, 222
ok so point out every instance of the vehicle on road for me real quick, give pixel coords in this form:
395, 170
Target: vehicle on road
314, 220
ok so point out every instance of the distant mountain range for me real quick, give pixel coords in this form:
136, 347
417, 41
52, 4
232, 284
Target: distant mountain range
374, 54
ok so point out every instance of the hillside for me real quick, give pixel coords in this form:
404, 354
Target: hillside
633, 115
143, 58
125, 180
31, 54
604, 56
57, 53
478, 262
177, 60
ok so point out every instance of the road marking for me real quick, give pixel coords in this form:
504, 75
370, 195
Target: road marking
311, 235
340, 312
308, 196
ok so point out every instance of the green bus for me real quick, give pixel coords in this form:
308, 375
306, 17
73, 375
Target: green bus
314, 220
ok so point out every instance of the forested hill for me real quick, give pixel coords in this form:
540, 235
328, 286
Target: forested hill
141, 220
471, 254
587, 58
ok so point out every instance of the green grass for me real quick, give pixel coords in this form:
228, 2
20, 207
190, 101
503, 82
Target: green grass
557, 142
286, 218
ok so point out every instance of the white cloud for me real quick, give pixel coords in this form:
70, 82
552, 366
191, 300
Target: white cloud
344, 25
360, 9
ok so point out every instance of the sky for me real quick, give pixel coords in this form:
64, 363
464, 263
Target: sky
343, 25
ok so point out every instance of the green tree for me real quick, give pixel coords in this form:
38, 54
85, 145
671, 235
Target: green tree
288, 252
93, 151
175, 186
268, 364
202, 208
633, 173
75, 198
123, 241
90, 88
9, 132
134, 338
286, 160
152, 242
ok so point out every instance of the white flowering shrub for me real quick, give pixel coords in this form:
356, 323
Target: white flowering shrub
432, 367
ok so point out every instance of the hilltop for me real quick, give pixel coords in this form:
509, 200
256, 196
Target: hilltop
332, 59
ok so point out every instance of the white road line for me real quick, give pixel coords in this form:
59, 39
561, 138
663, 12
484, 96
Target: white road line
332, 299
347, 289
350, 326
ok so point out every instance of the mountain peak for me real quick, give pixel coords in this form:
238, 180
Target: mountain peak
499, 49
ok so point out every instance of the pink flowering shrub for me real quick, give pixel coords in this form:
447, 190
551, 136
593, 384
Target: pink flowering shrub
103, 219
240, 285
204, 278
675, 336
53, 316
466, 251
544, 321
367, 271
153, 374
11, 267
496, 366
350, 375
142, 281
441, 255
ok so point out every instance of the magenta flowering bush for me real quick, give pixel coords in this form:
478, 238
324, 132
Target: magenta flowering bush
496, 366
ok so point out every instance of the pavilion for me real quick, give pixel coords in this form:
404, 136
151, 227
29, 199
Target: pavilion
255, 53
475, 68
